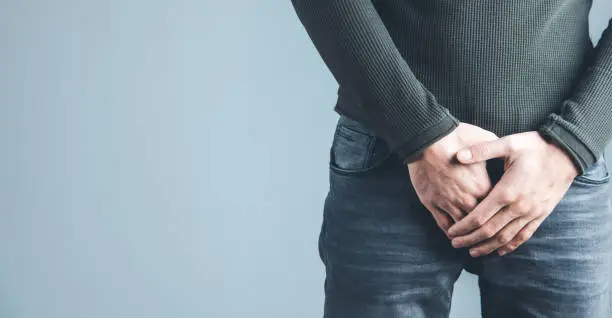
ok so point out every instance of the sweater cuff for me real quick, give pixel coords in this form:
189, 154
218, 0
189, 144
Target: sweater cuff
412, 149
578, 152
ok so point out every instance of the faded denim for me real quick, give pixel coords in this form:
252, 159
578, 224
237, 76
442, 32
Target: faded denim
385, 257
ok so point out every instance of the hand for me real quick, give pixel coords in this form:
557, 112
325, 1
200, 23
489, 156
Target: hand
537, 174
445, 187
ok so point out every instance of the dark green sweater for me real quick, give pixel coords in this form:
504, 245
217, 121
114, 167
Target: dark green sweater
413, 69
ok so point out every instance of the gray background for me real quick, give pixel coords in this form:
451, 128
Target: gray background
155, 161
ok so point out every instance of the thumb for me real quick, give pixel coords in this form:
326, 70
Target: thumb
484, 151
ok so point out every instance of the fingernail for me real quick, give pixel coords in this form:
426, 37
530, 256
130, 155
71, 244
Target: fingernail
474, 253
464, 154
452, 231
501, 252
455, 242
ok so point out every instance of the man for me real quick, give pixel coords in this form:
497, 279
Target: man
471, 137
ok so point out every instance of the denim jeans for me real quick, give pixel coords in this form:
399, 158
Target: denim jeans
385, 256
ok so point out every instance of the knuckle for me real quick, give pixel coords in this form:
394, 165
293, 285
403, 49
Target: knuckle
467, 203
481, 191
488, 231
511, 246
524, 235
510, 144
477, 222
522, 207
484, 150
509, 195
503, 238
514, 213
483, 187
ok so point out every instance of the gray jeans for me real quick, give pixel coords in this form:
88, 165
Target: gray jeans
385, 256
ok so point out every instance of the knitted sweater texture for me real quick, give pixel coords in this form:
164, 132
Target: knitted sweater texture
413, 69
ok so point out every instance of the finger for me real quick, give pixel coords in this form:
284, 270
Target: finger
455, 213
503, 237
484, 151
521, 237
490, 229
442, 219
466, 204
476, 183
503, 193
489, 136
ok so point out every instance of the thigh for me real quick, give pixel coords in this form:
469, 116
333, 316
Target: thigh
564, 269
383, 252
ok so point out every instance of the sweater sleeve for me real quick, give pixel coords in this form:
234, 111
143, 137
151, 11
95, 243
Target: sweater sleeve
583, 125
355, 45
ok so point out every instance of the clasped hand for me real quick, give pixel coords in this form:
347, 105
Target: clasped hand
452, 182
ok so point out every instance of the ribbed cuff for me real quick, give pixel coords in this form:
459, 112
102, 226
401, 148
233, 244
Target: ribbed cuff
580, 154
413, 149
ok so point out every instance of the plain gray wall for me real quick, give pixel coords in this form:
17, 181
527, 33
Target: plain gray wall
165, 159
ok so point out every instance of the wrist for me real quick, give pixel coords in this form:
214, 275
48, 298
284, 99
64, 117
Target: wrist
573, 166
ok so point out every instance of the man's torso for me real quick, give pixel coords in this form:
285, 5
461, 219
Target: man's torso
501, 65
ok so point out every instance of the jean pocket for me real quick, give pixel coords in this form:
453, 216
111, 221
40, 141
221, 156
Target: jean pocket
355, 148
598, 173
